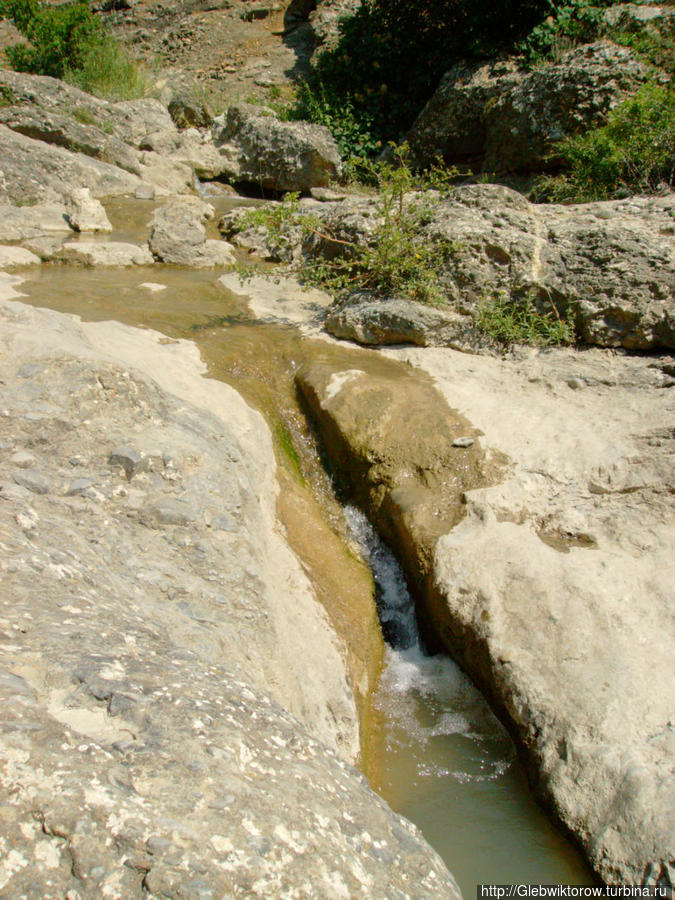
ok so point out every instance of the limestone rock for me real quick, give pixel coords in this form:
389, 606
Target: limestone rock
65, 131
395, 320
32, 171
191, 147
105, 253
20, 222
506, 119
150, 741
185, 99
11, 257
609, 265
179, 237
135, 118
275, 155
538, 587
86, 213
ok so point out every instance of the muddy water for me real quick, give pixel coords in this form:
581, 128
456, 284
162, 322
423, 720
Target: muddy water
436, 753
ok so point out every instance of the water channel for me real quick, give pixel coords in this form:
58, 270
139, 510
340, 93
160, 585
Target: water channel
437, 754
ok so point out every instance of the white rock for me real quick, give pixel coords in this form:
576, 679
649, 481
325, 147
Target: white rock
106, 253
17, 256
85, 213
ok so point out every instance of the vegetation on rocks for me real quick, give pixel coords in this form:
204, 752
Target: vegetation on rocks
69, 42
634, 152
397, 259
522, 321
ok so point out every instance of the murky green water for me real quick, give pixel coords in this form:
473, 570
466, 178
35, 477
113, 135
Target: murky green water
438, 756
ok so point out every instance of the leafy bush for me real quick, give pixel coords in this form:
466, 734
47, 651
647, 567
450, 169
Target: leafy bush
397, 259
67, 41
522, 321
633, 152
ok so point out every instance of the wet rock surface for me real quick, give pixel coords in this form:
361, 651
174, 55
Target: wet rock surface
159, 644
544, 584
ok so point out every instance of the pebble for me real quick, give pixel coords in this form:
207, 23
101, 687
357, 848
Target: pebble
23, 459
463, 442
32, 481
130, 460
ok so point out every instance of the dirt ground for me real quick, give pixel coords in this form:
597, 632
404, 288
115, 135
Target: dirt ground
238, 49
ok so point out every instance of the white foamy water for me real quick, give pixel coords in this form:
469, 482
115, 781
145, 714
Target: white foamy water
425, 697
442, 759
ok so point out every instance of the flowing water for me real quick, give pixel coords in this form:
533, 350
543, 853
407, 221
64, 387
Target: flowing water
437, 754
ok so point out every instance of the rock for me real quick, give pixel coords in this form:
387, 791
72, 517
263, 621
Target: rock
145, 192
20, 222
165, 176
108, 253
509, 120
637, 17
274, 155
179, 237
85, 213
536, 586
134, 119
33, 171
185, 98
395, 320
66, 131
17, 256
131, 460
608, 265
191, 147
151, 742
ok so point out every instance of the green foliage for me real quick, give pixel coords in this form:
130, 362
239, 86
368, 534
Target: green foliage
655, 47
569, 23
7, 95
68, 41
633, 152
351, 125
391, 55
522, 321
399, 257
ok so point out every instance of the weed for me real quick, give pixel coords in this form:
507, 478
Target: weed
398, 258
522, 321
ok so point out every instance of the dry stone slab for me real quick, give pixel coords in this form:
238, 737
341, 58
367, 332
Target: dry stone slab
11, 257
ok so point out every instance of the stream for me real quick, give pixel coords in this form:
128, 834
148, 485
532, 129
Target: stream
436, 752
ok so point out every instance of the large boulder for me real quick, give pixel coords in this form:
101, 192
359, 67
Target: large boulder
542, 578
66, 131
505, 119
273, 155
176, 713
178, 236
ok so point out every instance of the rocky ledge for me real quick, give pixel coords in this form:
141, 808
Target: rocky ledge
177, 718
607, 266
538, 532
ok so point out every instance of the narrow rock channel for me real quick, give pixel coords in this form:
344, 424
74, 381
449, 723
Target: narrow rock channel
423, 704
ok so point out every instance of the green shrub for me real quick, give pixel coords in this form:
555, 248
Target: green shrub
569, 23
68, 41
633, 152
521, 321
399, 258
